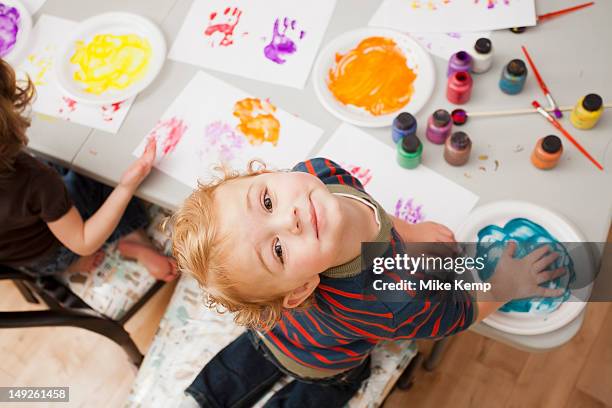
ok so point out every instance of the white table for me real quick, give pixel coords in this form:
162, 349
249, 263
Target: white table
571, 66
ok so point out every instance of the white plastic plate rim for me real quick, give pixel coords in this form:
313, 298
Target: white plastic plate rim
18, 52
105, 23
501, 212
360, 117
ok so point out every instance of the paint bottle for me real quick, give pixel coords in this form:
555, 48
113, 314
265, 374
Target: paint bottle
459, 88
409, 151
513, 77
587, 112
482, 58
404, 124
439, 126
459, 62
547, 152
457, 149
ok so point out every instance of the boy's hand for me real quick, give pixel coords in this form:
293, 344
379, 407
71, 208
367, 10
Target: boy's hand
427, 231
519, 278
140, 169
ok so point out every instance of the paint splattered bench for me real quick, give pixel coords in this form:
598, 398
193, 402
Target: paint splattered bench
189, 335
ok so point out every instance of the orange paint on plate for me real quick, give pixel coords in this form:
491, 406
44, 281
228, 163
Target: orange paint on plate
257, 121
373, 76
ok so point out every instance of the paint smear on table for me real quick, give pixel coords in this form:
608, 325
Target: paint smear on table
9, 28
109, 111
529, 236
428, 4
281, 44
168, 133
222, 138
68, 106
409, 211
111, 62
223, 25
257, 121
373, 76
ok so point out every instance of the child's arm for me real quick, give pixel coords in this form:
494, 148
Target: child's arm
85, 238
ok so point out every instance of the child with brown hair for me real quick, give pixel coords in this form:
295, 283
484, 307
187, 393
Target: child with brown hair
42, 212
282, 251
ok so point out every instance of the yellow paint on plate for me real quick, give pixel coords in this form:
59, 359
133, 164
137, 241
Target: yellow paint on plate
111, 62
257, 121
374, 76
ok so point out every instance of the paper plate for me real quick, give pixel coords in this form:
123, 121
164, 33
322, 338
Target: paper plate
24, 27
117, 24
417, 59
499, 213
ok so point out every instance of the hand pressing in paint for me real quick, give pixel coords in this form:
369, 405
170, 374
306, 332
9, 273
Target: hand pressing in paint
140, 169
224, 23
426, 232
519, 278
281, 44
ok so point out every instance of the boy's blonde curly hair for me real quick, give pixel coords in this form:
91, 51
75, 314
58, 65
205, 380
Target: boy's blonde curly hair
201, 251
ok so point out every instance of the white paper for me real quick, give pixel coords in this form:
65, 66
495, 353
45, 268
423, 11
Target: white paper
273, 41
412, 195
200, 130
443, 16
444, 45
46, 39
33, 5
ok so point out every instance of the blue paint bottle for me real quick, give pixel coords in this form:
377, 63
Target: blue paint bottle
513, 77
404, 124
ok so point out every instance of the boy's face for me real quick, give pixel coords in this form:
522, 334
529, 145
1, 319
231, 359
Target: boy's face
283, 230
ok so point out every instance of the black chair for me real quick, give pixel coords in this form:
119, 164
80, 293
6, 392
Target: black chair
66, 309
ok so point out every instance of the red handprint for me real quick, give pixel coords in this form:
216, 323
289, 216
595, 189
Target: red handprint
223, 24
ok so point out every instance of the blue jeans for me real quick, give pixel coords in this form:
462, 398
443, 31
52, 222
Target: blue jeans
244, 371
88, 196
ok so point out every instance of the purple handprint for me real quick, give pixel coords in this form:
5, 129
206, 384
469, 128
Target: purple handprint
409, 211
220, 136
281, 44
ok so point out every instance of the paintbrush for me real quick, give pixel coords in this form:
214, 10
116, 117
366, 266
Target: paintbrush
462, 116
556, 124
563, 11
551, 100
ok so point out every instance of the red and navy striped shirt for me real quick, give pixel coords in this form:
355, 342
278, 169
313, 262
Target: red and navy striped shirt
344, 323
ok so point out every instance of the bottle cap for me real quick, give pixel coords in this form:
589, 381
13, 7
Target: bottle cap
551, 144
483, 46
460, 140
463, 56
441, 117
462, 77
459, 117
592, 102
517, 67
518, 30
404, 121
411, 143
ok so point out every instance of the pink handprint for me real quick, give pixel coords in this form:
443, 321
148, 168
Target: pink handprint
224, 24
280, 44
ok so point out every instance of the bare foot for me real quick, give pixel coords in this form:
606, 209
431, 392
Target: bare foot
87, 263
159, 266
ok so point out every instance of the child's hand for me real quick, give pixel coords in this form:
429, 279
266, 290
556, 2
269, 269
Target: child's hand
140, 169
429, 231
519, 278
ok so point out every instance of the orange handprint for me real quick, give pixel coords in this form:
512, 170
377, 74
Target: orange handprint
257, 122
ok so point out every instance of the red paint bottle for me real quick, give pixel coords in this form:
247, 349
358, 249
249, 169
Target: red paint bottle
459, 88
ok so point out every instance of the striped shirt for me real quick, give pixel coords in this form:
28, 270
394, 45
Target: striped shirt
346, 321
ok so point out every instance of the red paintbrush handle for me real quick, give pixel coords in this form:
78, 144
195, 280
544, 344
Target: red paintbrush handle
535, 70
563, 11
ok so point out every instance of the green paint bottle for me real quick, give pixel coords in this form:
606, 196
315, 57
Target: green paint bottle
409, 151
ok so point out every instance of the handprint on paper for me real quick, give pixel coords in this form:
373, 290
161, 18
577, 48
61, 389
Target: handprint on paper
224, 24
363, 174
257, 121
281, 44
408, 211
220, 136
168, 133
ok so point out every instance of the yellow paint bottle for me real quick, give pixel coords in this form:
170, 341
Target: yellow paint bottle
587, 112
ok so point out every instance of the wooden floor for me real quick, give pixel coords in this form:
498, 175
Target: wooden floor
475, 371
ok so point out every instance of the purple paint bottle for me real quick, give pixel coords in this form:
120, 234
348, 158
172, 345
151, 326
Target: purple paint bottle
459, 62
439, 126
404, 124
